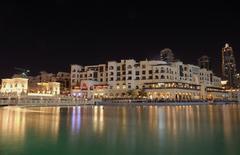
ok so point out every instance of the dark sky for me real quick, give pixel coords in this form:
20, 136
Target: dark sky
51, 35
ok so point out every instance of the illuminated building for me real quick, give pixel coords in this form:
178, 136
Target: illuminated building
64, 79
228, 65
14, 86
45, 88
159, 79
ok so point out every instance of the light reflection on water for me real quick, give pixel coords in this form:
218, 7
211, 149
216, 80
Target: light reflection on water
122, 129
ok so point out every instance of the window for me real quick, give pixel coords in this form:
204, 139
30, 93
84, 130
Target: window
124, 78
150, 77
156, 77
74, 75
101, 80
144, 72
129, 72
110, 67
111, 73
111, 79
118, 74
95, 74
81, 75
137, 78
73, 80
143, 66
118, 68
137, 72
150, 71
156, 71
144, 78
129, 78
123, 67
123, 73
162, 77
118, 79
129, 67
101, 69
74, 70
129, 86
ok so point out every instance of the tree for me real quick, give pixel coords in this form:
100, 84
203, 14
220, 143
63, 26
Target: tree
142, 93
132, 93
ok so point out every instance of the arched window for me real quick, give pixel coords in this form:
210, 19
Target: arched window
162, 77
129, 67
110, 67
162, 70
156, 77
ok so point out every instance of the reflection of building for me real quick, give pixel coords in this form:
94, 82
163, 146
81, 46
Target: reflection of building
203, 62
167, 55
12, 125
14, 85
228, 65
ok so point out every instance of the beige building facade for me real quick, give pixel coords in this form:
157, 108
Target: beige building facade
158, 79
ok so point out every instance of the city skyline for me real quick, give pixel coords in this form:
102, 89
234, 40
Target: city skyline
216, 69
66, 33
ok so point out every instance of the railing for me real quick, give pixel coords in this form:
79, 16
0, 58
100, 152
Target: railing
41, 101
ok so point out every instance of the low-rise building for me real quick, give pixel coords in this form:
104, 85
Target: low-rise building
16, 86
45, 88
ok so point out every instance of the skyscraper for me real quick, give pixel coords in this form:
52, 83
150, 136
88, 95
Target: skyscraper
228, 65
167, 55
204, 62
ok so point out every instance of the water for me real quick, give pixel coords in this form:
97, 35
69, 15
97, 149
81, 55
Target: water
120, 130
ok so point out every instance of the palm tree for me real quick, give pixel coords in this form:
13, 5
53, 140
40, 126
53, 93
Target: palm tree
142, 93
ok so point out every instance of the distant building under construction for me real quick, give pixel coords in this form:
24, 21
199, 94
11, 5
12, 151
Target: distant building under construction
167, 55
204, 62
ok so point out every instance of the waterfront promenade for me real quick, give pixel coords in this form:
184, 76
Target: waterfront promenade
72, 101
42, 101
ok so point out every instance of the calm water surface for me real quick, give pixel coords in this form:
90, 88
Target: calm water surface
120, 130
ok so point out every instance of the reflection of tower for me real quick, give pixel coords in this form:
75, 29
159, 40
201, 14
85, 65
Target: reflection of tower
167, 55
228, 65
203, 62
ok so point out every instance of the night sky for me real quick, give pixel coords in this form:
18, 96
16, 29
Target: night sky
52, 35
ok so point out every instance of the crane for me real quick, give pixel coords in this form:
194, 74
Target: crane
23, 72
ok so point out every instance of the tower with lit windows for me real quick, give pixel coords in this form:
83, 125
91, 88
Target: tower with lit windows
228, 65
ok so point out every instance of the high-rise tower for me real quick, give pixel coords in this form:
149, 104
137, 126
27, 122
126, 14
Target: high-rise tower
228, 65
